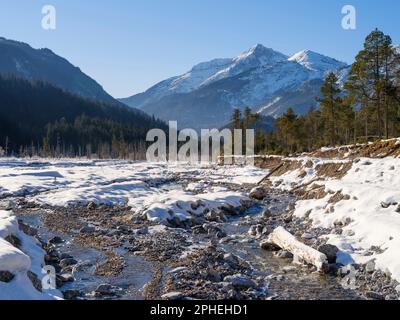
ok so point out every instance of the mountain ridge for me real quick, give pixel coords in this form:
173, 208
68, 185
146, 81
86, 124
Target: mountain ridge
261, 78
20, 59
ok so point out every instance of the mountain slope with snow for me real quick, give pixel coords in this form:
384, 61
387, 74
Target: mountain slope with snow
266, 80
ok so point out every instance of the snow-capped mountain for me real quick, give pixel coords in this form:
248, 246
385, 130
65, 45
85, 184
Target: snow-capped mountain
21, 60
317, 62
266, 80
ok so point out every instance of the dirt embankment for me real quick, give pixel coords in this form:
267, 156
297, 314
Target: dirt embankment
309, 171
378, 149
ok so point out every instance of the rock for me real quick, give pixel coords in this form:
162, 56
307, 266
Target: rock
178, 270
6, 276
289, 269
87, 229
398, 209
280, 277
287, 218
291, 206
65, 256
142, 231
268, 246
136, 218
30, 231
71, 294
233, 295
330, 251
240, 281
36, 282
9, 205
258, 193
172, 296
56, 240
397, 289
213, 275
230, 210
103, 290
67, 277
216, 216
68, 262
15, 241
51, 258
385, 205
374, 295
266, 213
253, 231
370, 267
231, 258
91, 205
283, 254
307, 236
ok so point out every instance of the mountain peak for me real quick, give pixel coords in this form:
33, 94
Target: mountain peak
261, 53
316, 62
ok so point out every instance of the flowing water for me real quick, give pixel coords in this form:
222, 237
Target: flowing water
286, 281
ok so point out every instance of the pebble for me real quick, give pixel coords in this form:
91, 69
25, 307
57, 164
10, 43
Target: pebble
283, 254
374, 295
56, 240
307, 236
71, 294
6, 276
370, 267
67, 262
67, 277
178, 270
240, 281
172, 296
87, 229
266, 213
103, 289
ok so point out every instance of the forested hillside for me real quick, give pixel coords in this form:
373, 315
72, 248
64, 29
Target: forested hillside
38, 118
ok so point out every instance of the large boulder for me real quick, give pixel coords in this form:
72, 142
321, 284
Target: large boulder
330, 251
258, 193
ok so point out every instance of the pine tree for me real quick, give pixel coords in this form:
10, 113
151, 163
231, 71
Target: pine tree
371, 76
330, 107
236, 119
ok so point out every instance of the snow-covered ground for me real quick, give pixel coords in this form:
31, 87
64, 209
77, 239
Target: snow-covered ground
63, 183
369, 213
72, 183
18, 261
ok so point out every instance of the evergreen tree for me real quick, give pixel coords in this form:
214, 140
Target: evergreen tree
371, 77
236, 119
330, 107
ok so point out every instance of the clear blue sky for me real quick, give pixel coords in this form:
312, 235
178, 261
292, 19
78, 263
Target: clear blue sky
129, 45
